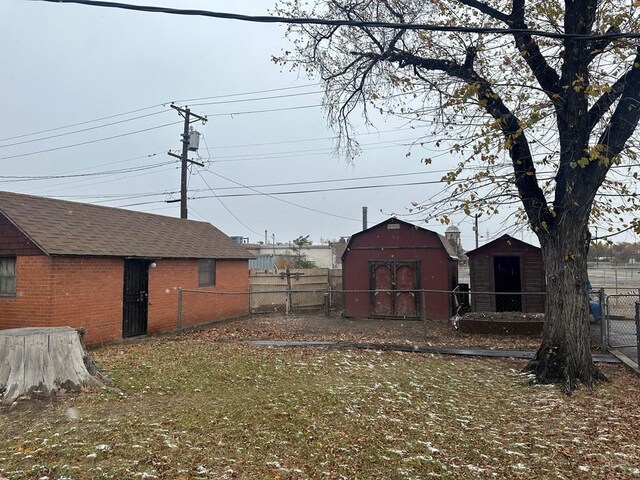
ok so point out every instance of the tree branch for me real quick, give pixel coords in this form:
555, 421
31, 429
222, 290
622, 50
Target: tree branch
526, 181
604, 103
596, 47
486, 9
626, 116
621, 126
547, 77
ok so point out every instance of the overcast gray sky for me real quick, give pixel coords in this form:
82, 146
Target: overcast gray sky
66, 64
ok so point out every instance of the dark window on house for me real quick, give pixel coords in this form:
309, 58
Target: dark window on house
7, 276
206, 272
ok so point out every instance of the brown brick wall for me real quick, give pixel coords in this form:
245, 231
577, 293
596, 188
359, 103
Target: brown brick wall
31, 306
232, 276
87, 292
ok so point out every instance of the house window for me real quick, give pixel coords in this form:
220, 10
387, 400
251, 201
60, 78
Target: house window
7, 276
206, 272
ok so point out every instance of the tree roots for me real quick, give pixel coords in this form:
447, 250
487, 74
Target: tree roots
554, 365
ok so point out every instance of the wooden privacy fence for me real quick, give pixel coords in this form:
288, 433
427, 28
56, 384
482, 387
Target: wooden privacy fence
291, 289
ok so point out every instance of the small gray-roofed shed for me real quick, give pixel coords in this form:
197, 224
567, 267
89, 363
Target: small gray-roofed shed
507, 274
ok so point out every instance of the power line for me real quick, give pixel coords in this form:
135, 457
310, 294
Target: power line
324, 190
305, 140
109, 117
80, 123
88, 142
102, 165
311, 152
130, 196
227, 208
258, 156
294, 192
282, 200
232, 114
335, 180
75, 182
81, 130
16, 178
225, 102
295, 87
350, 23
153, 128
64, 174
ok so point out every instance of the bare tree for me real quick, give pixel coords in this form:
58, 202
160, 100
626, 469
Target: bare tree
539, 121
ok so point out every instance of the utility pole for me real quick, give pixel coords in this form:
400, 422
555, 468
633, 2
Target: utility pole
598, 254
365, 224
476, 229
184, 158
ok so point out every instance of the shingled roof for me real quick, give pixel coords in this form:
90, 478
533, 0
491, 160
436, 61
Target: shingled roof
60, 227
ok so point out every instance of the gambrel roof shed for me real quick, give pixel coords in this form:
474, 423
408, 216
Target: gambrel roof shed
398, 270
59, 227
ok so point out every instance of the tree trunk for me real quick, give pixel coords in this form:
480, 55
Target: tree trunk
41, 361
565, 354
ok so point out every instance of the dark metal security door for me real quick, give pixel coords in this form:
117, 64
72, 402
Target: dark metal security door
135, 302
394, 288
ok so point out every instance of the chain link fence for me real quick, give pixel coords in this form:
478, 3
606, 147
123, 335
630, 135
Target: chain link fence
621, 323
637, 334
272, 297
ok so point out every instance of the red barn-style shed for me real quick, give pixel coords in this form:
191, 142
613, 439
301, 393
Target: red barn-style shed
116, 273
506, 274
385, 268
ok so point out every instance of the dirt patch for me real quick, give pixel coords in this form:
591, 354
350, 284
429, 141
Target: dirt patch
501, 323
313, 327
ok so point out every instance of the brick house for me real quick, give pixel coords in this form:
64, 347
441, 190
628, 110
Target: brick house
114, 272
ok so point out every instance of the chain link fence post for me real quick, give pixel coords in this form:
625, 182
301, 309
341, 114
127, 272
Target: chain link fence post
638, 333
180, 309
605, 319
327, 304
423, 312
603, 328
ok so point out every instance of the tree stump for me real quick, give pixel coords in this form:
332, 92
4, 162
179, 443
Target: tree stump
42, 360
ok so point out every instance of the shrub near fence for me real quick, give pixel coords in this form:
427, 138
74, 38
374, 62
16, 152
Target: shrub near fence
293, 289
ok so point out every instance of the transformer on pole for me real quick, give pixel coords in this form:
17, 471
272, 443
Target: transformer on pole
190, 142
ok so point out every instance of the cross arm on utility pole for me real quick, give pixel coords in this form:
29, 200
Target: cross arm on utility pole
179, 157
186, 112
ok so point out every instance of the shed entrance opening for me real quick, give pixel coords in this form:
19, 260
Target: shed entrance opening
136, 295
394, 288
506, 274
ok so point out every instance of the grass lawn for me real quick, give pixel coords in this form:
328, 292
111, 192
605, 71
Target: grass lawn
193, 409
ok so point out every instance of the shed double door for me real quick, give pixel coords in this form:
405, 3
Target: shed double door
394, 288
135, 298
